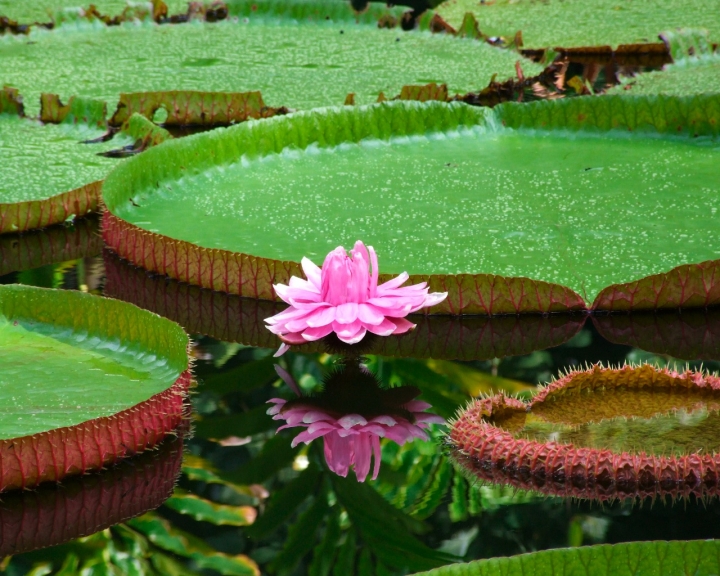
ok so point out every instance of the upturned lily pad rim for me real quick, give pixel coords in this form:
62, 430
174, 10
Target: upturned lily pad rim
55, 453
253, 276
493, 454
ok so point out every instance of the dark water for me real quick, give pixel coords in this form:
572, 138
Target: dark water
419, 512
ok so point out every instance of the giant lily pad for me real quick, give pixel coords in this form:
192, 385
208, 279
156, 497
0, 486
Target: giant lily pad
84, 382
289, 51
518, 209
231, 318
579, 23
53, 514
47, 175
627, 559
599, 434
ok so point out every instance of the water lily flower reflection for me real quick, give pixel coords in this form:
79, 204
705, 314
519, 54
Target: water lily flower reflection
351, 414
344, 297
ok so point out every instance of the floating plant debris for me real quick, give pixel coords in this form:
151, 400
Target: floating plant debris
119, 379
602, 433
534, 249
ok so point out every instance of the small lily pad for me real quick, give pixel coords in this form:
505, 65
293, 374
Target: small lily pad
85, 381
522, 208
601, 433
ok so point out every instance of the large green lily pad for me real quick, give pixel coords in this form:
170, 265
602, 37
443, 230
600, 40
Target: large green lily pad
295, 62
628, 559
570, 23
572, 193
48, 174
47, 10
686, 77
85, 381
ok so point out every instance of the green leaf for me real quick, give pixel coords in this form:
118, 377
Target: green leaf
111, 363
199, 469
600, 23
205, 510
346, 555
326, 551
629, 559
611, 147
438, 482
103, 60
161, 533
243, 424
275, 455
301, 535
243, 378
285, 501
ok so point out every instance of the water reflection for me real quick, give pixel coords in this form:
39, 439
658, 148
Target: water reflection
80, 506
351, 413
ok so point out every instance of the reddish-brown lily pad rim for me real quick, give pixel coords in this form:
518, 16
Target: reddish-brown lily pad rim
52, 515
495, 455
55, 453
688, 285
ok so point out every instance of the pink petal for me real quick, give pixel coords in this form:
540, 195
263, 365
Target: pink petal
394, 283
290, 313
402, 326
369, 314
280, 351
386, 328
286, 377
312, 334
346, 313
349, 333
384, 419
321, 317
416, 406
312, 416
304, 285
363, 454
338, 453
375, 271
376, 454
306, 437
292, 338
312, 272
350, 420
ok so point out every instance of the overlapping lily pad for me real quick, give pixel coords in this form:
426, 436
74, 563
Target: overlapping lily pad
235, 319
600, 434
520, 209
288, 51
47, 175
85, 381
570, 23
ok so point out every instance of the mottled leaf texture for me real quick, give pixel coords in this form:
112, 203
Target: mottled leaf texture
118, 379
77, 111
194, 108
628, 559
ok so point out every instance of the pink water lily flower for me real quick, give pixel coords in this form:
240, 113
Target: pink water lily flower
344, 297
352, 439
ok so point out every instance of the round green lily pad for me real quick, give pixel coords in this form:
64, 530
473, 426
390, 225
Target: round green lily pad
85, 381
573, 195
294, 56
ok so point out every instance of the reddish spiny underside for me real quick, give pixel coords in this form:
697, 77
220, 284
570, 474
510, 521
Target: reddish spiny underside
82, 506
253, 277
493, 454
21, 216
686, 286
51, 456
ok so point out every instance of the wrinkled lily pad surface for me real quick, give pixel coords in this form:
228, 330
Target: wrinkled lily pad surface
439, 189
42, 10
579, 23
295, 64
